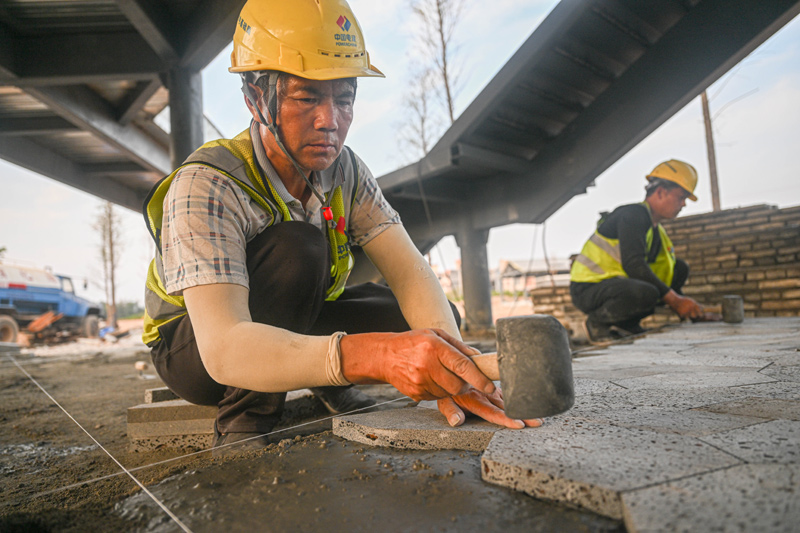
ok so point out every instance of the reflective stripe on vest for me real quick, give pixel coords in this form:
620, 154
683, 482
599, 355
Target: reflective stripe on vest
234, 158
600, 259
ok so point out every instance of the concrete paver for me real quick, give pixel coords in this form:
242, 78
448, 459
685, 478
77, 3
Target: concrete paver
590, 464
692, 428
759, 407
776, 441
743, 498
415, 428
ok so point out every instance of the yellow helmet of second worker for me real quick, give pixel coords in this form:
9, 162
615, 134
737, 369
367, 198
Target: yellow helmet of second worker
678, 172
313, 39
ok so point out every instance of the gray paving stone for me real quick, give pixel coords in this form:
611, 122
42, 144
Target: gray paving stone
759, 407
416, 428
677, 399
691, 423
743, 498
590, 465
701, 379
783, 372
776, 441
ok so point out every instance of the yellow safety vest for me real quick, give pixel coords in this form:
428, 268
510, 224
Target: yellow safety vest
235, 159
600, 258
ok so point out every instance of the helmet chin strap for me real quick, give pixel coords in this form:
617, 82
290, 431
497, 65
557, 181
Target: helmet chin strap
272, 107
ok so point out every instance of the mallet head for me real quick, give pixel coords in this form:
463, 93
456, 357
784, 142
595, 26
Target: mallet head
535, 363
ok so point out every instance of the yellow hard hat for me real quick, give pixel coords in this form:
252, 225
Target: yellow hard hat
678, 172
313, 39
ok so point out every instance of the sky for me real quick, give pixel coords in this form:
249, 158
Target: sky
755, 106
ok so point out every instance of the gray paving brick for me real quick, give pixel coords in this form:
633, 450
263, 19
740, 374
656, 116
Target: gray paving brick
759, 407
776, 441
692, 423
743, 498
416, 428
589, 464
783, 372
699, 379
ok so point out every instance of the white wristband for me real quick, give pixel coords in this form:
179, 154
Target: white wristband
333, 362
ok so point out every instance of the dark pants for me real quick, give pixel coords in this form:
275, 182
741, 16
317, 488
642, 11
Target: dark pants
623, 301
289, 276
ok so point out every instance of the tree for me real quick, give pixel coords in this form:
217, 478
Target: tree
109, 226
433, 77
2, 251
438, 20
417, 133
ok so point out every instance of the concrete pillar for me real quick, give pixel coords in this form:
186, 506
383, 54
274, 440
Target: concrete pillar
186, 113
475, 279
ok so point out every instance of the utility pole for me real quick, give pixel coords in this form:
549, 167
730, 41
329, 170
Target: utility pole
712, 157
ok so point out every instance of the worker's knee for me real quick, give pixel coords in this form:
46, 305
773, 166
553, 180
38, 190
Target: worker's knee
644, 298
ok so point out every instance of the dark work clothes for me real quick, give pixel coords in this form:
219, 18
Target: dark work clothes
623, 301
289, 275
629, 224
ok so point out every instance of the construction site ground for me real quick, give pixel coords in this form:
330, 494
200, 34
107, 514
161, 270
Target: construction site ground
58, 478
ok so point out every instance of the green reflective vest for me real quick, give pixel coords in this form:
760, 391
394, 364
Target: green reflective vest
600, 258
235, 159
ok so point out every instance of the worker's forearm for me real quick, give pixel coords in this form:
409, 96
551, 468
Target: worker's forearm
414, 284
264, 358
423, 302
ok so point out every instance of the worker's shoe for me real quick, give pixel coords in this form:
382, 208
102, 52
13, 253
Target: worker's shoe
596, 332
627, 329
226, 444
340, 400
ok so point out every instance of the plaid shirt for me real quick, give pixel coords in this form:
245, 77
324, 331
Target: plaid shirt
208, 221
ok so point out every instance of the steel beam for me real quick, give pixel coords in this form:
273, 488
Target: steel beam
212, 30
136, 100
35, 158
151, 23
35, 125
686, 60
79, 58
91, 113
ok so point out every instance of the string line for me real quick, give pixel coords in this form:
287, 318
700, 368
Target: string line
185, 456
139, 483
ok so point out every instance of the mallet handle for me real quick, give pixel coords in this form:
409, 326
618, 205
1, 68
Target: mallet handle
487, 363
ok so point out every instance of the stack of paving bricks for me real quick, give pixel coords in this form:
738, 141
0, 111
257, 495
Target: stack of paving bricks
165, 421
753, 252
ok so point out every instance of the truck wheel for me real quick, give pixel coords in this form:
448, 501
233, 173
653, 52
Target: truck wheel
91, 326
8, 329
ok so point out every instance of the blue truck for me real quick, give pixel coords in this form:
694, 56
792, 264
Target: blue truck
38, 298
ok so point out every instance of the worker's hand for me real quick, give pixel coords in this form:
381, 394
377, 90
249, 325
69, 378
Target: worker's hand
423, 364
487, 406
684, 306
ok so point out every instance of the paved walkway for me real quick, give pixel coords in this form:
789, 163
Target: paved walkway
693, 428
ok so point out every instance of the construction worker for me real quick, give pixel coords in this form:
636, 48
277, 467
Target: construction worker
246, 298
628, 266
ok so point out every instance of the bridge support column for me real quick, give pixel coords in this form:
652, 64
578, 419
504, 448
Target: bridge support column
475, 274
186, 113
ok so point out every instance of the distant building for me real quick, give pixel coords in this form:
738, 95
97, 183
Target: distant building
525, 276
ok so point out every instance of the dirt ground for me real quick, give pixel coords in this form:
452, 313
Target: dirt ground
55, 478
